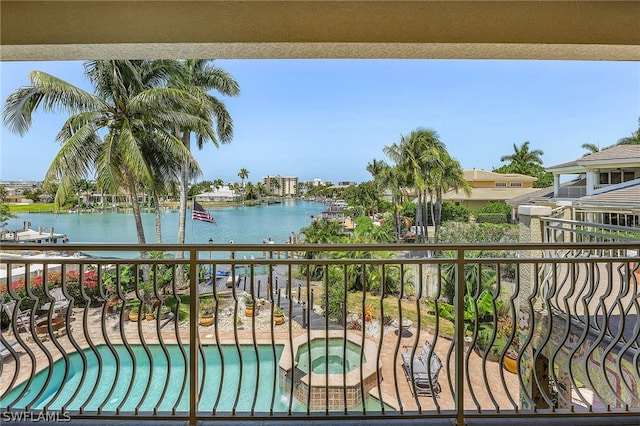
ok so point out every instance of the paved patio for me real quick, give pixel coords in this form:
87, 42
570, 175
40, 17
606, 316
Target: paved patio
87, 324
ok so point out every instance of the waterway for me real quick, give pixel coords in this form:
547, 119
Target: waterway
242, 224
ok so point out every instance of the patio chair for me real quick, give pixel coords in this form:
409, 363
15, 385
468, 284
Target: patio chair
60, 301
4, 348
422, 370
21, 317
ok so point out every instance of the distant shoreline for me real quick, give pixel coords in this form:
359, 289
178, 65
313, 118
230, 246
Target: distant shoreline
172, 205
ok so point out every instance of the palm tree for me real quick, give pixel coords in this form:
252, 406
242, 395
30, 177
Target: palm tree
261, 190
218, 183
275, 184
445, 176
522, 159
376, 167
250, 191
129, 106
415, 156
592, 148
388, 178
198, 77
243, 174
634, 139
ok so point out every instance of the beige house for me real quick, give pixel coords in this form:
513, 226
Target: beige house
489, 187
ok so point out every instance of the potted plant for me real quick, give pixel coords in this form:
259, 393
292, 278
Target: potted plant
149, 314
485, 345
248, 305
510, 361
278, 315
134, 313
206, 311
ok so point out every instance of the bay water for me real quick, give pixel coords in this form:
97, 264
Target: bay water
240, 224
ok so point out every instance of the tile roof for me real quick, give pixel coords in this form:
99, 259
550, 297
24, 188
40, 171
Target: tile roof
627, 197
616, 152
484, 175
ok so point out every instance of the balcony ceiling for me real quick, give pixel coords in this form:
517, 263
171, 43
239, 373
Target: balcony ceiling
70, 29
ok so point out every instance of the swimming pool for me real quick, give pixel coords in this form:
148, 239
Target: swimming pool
151, 385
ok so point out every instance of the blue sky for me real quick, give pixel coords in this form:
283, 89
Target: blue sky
328, 119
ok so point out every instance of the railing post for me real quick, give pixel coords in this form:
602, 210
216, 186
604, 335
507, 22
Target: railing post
193, 337
459, 338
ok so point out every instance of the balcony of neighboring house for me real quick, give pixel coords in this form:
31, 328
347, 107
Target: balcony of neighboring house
605, 171
309, 334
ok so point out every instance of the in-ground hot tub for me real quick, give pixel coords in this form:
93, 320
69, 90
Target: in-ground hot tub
329, 356
326, 369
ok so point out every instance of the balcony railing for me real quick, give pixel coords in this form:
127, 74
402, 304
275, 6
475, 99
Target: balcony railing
369, 332
573, 191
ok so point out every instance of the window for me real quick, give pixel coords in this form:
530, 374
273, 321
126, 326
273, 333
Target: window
516, 184
501, 184
627, 176
604, 178
616, 177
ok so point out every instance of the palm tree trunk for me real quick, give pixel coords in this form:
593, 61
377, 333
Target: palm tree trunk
419, 213
438, 211
156, 205
425, 206
184, 188
396, 207
433, 209
133, 194
139, 228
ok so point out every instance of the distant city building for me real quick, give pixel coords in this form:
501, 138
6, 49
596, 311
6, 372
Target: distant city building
21, 185
317, 182
305, 186
15, 189
346, 183
282, 186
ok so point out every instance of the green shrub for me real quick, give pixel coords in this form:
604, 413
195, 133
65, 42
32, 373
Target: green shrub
453, 212
496, 207
457, 232
495, 218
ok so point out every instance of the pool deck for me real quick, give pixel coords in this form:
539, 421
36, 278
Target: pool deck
391, 346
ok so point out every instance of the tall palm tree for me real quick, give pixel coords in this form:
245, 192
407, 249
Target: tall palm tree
261, 190
199, 77
376, 167
523, 159
388, 178
243, 174
128, 108
445, 176
415, 156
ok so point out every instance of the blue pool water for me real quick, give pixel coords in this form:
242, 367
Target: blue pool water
153, 385
153, 377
